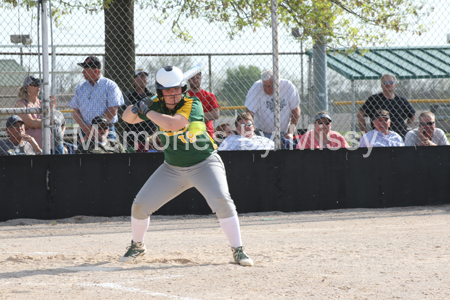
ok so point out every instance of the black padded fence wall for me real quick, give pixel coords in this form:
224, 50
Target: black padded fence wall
53, 187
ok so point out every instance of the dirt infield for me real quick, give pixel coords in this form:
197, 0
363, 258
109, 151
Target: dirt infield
400, 253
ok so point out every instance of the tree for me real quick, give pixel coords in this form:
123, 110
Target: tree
119, 43
350, 23
235, 87
119, 32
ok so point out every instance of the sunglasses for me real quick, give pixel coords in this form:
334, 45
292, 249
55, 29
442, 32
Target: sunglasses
323, 123
427, 123
246, 125
104, 127
34, 84
388, 82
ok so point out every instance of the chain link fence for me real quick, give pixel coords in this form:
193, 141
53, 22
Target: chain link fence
133, 35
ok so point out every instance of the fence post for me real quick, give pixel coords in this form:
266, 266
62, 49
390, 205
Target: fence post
276, 75
320, 74
353, 106
210, 73
46, 138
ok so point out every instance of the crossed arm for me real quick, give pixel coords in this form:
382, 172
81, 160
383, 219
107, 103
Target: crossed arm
109, 114
171, 123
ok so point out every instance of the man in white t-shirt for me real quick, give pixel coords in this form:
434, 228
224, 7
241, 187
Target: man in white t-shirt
260, 103
427, 134
246, 138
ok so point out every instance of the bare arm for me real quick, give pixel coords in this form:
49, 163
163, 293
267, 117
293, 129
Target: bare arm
295, 117
362, 121
425, 139
111, 112
130, 117
171, 123
28, 119
79, 119
213, 114
33, 143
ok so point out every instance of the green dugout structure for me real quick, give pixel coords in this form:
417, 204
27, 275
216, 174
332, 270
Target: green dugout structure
403, 62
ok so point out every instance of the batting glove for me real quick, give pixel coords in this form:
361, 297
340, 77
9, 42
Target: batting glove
142, 107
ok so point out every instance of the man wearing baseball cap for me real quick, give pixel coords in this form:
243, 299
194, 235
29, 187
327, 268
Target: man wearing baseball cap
97, 96
381, 136
18, 143
137, 133
99, 142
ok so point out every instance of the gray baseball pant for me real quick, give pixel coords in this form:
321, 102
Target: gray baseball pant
167, 182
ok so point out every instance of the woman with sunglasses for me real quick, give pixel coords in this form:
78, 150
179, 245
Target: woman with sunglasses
322, 136
427, 134
28, 98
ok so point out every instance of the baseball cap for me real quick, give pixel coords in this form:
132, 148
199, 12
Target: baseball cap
139, 71
323, 115
100, 120
380, 113
13, 120
91, 62
29, 80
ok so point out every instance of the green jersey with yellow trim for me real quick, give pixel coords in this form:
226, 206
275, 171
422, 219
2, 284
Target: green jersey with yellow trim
182, 148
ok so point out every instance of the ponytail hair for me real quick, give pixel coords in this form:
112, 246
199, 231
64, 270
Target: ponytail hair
23, 92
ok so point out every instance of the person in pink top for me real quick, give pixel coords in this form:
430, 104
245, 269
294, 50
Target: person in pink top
322, 136
28, 98
209, 102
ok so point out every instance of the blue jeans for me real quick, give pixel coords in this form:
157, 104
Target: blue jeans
59, 149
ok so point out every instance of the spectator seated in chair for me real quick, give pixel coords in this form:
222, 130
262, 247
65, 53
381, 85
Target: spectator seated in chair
97, 142
427, 134
381, 136
322, 136
246, 138
18, 142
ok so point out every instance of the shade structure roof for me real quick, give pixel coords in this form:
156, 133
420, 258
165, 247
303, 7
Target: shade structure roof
11, 73
403, 62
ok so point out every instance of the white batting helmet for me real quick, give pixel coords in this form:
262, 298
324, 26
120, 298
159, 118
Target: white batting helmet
169, 77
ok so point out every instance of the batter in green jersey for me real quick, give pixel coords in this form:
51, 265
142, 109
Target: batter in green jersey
191, 160
183, 148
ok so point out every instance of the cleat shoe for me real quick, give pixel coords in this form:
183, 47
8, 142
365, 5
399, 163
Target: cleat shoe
240, 257
134, 251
